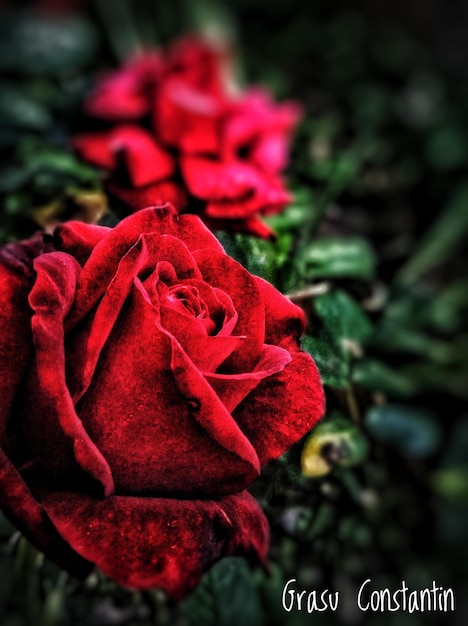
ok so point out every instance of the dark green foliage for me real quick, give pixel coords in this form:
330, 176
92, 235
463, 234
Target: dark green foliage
226, 592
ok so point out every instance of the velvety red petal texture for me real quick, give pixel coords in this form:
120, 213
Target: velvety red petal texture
146, 377
159, 542
223, 272
284, 321
290, 403
155, 399
79, 239
15, 337
16, 500
23, 510
51, 299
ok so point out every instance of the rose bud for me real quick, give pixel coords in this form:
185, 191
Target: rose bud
145, 377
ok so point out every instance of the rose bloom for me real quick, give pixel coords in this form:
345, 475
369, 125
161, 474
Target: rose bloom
146, 377
179, 134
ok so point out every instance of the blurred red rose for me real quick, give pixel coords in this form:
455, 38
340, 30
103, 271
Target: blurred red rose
227, 151
145, 379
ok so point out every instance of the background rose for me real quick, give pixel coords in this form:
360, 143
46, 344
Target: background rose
180, 132
148, 380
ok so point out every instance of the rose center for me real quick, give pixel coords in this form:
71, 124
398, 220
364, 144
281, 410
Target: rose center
189, 298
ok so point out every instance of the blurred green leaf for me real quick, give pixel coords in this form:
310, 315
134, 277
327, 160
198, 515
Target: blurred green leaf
334, 257
413, 431
294, 216
13, 178
343, 316
225, 597
338, 171
447, 147
452, 483
61, 163
20, 111
443, 237
449, 308
377, 376
394, 337
38, 43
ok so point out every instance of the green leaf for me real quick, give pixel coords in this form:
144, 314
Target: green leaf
377, 376
256, 255
344, 326
296, 214
392, 337
337, 257
226, 596
412, 431
19, 111
449, 309
332, 364
62, 164
343, 315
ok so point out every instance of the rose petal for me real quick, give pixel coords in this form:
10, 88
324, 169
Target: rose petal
105, 258
145, 160
79, 239
156, 194
96, 148
284, 321
122, 95
87, 342
255, 116
137, 423
187, 118
217, 181
198, 63
268, 197
159, 542
223, 272
51, 299
271, 153
211, 414
232, 389
290, 403
20, 506
16, 500
15, 339
207, 353
18, 257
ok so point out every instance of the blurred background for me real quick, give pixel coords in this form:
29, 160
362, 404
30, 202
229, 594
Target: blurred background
374, 248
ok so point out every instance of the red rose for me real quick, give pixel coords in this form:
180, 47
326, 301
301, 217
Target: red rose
192, 142
145, 378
